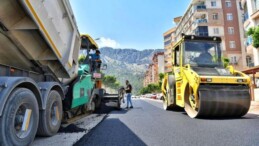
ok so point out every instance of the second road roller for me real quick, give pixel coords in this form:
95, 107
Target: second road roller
202, 83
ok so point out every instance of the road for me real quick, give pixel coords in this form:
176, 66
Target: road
149, 124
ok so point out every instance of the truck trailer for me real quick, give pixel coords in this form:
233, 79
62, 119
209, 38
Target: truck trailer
41, 81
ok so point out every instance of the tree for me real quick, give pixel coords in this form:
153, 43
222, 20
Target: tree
161, 77
151, 88
254, 32
225, 61
111, 81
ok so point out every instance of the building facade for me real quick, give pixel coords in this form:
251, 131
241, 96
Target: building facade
250, 20
215, 18
168, 43
154, 69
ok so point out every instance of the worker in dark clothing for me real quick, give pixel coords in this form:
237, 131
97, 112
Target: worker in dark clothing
128, 90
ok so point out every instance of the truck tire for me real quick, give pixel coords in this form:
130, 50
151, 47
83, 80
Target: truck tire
50, 118
22, 103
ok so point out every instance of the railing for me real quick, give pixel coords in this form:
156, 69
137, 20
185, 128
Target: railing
199, 21
202, 33
200, 7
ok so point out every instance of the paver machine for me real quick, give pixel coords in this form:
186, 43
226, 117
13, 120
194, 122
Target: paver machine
201, 83
41, 80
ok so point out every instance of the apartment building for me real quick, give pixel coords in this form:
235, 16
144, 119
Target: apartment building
148, 78
216, 18
154, 69
169, 38
250, 19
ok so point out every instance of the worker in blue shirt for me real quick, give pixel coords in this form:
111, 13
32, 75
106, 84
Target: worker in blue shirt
96, 60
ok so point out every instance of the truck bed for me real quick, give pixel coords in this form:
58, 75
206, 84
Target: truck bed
39, 36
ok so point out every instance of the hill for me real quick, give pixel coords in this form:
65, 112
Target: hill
127, 64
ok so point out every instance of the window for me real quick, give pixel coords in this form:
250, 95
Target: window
177, 56
233, 60
206, 54
215, 16
232, 44
230, 30
213, 4
228, 4
216, 30
229, 16
256, 4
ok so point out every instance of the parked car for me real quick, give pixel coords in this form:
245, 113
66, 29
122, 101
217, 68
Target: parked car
153, 96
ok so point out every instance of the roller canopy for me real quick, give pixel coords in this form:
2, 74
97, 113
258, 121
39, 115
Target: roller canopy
87, 42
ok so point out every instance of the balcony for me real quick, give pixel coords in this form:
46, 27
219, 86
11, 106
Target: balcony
199, 11
246, 19
201, 31
198, 33
199, 22
200, 7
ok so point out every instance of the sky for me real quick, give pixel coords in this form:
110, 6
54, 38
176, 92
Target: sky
137, 24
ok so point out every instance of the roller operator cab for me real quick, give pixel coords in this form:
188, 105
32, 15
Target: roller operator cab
202, 83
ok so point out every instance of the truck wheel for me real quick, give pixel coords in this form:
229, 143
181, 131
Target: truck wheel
50, 118
19, 122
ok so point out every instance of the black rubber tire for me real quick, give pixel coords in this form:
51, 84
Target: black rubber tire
8, 136
46, 128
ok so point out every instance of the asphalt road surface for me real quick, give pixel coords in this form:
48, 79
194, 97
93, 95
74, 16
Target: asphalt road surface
148, 124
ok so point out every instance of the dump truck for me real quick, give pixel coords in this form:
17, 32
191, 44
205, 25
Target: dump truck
41, 81
201, 83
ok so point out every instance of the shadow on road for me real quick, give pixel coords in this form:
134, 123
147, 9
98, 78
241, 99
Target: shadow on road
110, 132
246, 117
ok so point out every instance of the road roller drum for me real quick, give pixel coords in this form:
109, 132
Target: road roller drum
220, 101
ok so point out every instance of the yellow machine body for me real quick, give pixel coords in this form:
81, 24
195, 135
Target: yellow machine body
204, 91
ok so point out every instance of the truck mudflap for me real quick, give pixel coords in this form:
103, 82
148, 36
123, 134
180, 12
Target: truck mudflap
220, 101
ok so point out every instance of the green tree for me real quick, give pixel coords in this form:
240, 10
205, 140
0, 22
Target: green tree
161, 77
111, 81
151, 88
225, 61
254, 32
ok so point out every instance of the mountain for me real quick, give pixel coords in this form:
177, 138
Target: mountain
127, 64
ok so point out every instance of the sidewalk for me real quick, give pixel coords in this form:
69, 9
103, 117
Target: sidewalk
254, 108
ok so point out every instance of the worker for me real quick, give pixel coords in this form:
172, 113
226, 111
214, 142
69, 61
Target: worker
204, 58
96, 60
128, 90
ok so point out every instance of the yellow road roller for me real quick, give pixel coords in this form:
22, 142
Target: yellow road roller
201, 83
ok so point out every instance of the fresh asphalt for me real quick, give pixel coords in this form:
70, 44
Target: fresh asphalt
148, 124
